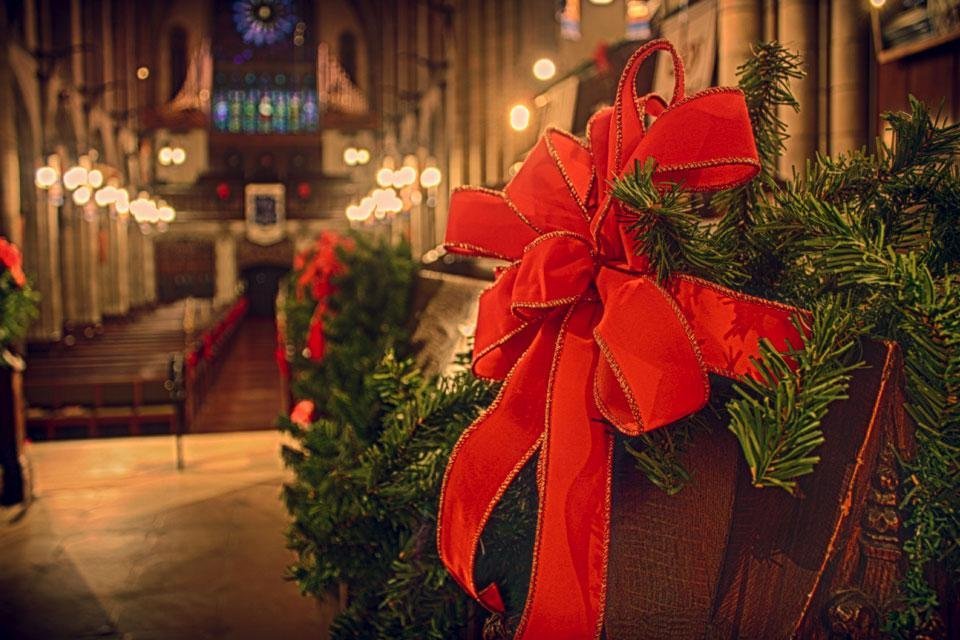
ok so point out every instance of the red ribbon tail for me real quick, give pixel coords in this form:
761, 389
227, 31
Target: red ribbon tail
316, 341
488, 456
568, 581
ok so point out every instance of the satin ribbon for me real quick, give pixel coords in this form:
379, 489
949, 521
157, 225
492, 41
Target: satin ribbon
318, 271
586, 339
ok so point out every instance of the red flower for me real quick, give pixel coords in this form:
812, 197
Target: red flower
302, 414
11, 259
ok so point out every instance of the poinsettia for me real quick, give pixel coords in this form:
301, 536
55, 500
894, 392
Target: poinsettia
12, 262
18, 302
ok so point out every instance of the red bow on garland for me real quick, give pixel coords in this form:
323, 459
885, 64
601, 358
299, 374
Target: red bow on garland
320, 266
583, 336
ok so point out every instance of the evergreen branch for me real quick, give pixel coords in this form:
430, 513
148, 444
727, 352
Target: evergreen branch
18, 308
778, 414
658, 453
765, 81
668, 231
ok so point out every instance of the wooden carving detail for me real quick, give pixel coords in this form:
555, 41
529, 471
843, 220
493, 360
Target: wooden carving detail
880, 535
850, 615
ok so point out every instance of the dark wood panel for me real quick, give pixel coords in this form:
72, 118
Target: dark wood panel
933, 76
184, 268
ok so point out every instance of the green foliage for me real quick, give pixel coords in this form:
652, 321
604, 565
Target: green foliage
18, 308
777, 416
367, 472
870, 242
668, 230
367, 510
367, 316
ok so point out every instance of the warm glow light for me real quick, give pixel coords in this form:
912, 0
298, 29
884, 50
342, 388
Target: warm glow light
122, 203
143, 73
46, 177
430, 177
95, 178
142, 209
386, 201
351, 156
385, 177
601, 2
74, 177
165, 156
178, 156
363, 156
544, 69
519, 117
877, 4
353, 213
105, 196
367, 205
405, 176
82, 195
151, 214
166, 213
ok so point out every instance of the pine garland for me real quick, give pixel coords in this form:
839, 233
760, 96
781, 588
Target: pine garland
18, 308
871, 244
367, 472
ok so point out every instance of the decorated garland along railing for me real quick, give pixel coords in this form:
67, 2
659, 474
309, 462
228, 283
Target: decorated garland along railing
868, 244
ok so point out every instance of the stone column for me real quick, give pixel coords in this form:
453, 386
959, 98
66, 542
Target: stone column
848, 81
739, 27
88, 264
135, 269
115, 268
120, 261
42, 260
797, 22
70, 260
10, 222
148, 267
225, 259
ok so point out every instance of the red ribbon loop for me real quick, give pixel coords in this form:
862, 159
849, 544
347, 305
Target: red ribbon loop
582, 335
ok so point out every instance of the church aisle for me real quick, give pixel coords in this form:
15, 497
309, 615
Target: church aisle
246, 395
118, 544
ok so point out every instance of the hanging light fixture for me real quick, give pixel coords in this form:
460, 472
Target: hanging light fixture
122, 203
46, 177
140, 208
166, 213
544, 69
350, 156
430, 177
74, 177
178, 156
105, 196
81, 195
385, 177
95, 178
519, 117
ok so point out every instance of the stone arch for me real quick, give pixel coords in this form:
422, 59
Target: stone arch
102, 137
64, 114
24, 75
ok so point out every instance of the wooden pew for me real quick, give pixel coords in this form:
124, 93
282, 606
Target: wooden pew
121, 380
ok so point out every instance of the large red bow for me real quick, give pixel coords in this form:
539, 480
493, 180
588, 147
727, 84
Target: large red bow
584, 337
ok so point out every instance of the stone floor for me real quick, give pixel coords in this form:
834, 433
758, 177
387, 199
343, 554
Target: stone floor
119, 544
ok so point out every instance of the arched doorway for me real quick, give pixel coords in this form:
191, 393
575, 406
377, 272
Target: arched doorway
262, 282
